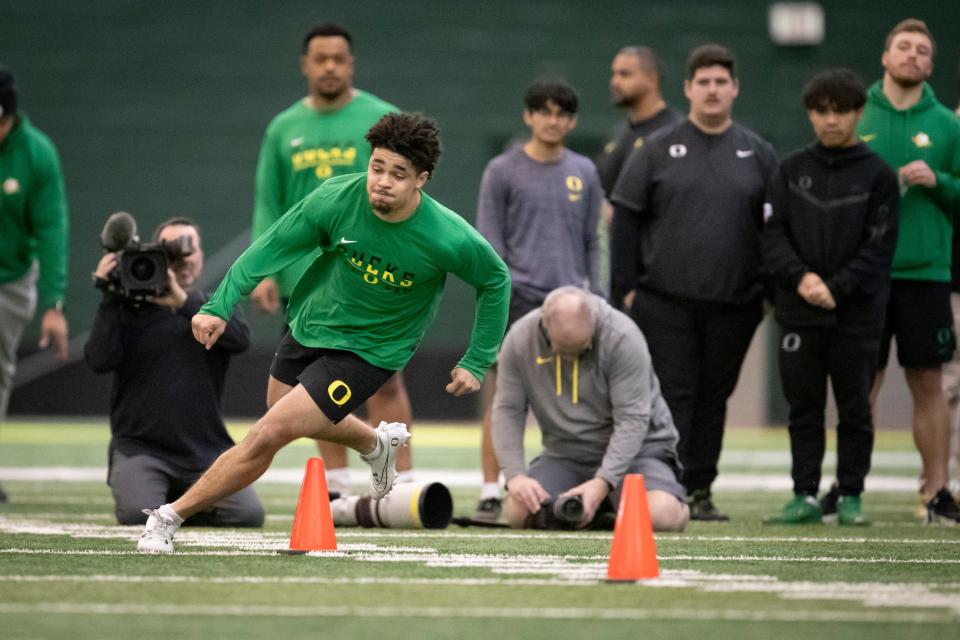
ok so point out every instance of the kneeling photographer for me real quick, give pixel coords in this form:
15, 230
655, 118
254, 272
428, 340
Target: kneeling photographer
583, 368
166, 418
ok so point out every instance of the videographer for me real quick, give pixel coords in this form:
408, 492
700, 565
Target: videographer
584, 369
166, 415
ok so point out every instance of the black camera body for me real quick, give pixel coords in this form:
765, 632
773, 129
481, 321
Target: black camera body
561, 513
142, 267
141, 270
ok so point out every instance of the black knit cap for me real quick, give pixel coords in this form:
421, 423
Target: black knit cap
8, 97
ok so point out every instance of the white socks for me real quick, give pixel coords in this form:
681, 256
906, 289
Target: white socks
169, 514
489, 490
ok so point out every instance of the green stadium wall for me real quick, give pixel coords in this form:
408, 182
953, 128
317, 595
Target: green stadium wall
159, 108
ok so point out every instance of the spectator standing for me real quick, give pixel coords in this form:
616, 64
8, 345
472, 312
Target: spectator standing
686, 260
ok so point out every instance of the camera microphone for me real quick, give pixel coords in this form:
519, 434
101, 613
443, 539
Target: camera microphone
119, 231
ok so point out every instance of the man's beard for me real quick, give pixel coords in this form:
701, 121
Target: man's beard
906, 83
382, 209
331, 95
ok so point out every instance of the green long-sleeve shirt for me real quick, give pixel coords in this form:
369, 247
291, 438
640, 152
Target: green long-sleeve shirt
376, 285
930, 132
33, 211
301, 148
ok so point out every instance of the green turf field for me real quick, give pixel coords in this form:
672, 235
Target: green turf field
67, 571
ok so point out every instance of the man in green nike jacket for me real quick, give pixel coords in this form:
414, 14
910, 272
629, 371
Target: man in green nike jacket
33, 238
920, 139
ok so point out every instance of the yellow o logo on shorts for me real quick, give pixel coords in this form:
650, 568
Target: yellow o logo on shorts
335, 386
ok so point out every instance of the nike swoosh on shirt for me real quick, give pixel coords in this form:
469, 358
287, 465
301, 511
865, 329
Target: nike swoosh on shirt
345, 241
867, 137
744, 153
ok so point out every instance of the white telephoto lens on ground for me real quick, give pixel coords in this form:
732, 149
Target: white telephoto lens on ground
409, 506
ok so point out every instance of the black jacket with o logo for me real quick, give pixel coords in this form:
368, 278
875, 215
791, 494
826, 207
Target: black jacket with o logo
832, 211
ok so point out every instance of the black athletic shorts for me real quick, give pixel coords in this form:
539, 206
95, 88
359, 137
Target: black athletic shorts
338, 381
920, 317
520, 307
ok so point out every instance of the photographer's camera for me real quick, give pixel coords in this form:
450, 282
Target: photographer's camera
141, 270
559, 513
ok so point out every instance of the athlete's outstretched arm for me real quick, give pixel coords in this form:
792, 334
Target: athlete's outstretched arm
295, 234
480, 266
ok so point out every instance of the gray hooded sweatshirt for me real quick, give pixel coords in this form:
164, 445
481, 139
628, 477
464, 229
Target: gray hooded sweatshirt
602, 408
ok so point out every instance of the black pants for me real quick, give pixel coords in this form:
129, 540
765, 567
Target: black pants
807, 357
697, 350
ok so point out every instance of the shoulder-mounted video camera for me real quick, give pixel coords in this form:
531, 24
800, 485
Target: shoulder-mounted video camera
141, 266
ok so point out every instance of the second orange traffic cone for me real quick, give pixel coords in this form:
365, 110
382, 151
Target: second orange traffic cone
633, 554
313, 522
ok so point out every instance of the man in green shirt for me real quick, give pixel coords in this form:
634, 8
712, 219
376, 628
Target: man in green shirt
33, 231
356, 316
920, 139
319, 137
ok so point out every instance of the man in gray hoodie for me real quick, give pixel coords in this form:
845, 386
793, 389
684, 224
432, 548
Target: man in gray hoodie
584, 370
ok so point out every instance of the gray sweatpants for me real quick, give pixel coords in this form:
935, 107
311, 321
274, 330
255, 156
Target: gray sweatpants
556, 475
145, 482
18, 302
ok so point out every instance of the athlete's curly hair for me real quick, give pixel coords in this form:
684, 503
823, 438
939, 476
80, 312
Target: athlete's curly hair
413, 135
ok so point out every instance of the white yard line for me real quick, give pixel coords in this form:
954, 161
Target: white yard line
899, 594
565, 613
824, 559
432, 558
782, 459
809, 539
660, 537
779, 482
40, 524
295, 580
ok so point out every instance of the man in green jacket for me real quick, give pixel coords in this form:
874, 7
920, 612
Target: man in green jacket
357, 315
318, 137
33, 237
920, 139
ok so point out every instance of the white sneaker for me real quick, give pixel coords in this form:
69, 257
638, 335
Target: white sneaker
158, 535
383, 466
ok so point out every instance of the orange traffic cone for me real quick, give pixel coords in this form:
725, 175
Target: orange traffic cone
633, 554
313, 522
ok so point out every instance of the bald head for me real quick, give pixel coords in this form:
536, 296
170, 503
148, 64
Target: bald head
645, 56
635, 77
568, 318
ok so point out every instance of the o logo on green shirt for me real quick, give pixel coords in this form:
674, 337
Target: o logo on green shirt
335, 386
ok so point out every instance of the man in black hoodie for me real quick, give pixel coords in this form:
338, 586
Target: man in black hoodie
831, 217
166, 409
